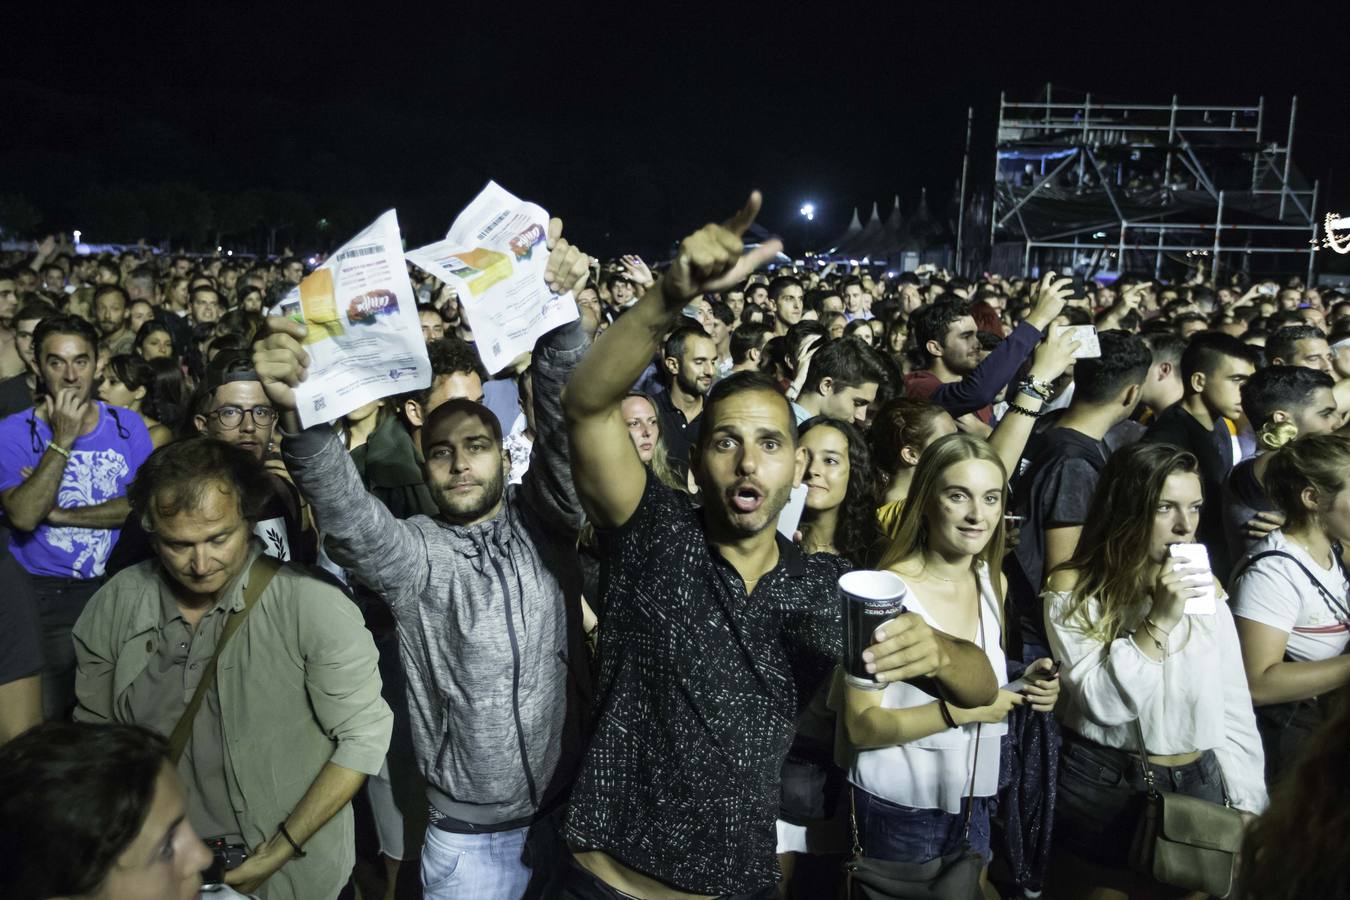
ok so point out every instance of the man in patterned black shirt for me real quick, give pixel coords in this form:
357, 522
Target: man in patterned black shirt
716, 630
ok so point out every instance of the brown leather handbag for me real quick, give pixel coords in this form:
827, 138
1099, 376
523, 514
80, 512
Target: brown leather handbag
1184, 841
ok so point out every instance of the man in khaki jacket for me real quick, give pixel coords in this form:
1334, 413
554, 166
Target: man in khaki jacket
294, 721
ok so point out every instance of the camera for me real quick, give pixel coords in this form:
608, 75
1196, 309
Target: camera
224, 857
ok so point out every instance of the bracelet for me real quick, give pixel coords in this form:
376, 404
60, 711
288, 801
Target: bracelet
1043, 388
281, 829
1148, 621
53, 445
1022, 410
1027, 391
946, 713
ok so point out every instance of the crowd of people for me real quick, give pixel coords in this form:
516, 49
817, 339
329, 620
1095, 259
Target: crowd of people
547, 632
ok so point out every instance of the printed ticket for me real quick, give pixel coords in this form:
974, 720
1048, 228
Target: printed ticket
364, 340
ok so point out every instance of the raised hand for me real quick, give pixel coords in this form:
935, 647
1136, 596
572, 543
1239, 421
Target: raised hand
638, 271
281, 361
47, 247
1054, 355
1171, 591
568, 267
714, 258
1048, 299
65, 413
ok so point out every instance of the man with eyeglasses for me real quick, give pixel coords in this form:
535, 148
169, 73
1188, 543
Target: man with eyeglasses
232, 407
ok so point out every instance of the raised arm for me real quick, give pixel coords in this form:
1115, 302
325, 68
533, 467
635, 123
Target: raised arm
979, 388
1010, 436
609, 476
547, 485
386, 553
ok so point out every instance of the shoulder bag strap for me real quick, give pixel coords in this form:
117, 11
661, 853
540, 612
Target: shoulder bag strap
259, 577
1338, 608
1148, 770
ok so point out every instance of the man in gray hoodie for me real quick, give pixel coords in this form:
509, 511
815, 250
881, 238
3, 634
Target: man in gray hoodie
486, 597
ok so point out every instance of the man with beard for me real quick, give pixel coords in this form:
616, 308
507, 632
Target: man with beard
690, 359
954, 376
717, 629
110, 315
487, 602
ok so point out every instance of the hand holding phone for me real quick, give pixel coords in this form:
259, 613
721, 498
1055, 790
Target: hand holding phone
1195, 556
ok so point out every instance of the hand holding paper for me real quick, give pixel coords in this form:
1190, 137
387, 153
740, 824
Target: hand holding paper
512, 270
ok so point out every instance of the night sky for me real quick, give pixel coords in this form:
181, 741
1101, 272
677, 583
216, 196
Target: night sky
633, 124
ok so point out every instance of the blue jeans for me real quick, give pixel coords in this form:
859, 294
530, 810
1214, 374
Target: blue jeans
898, 833
1101, 796
495, 866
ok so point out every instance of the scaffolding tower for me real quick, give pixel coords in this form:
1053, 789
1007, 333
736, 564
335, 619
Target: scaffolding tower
1112, 187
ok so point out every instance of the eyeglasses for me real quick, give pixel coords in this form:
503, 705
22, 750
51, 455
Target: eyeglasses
233, 416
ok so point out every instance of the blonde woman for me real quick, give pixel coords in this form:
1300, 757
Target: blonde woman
923, 770
1135, 661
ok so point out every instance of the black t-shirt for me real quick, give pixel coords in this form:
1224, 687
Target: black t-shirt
1054, 491
678, 433
15, 395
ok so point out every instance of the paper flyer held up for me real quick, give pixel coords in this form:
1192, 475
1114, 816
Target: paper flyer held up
364, 340
494, 257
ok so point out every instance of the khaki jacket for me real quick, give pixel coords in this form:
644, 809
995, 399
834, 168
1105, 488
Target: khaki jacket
298, 688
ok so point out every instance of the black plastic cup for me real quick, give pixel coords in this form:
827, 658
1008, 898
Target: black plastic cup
869, 599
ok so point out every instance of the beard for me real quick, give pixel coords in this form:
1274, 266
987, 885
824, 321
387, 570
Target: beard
691, 387
471, 505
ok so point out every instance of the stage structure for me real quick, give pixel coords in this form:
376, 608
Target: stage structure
1105, 187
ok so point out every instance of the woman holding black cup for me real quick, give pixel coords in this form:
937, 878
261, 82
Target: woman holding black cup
923, 770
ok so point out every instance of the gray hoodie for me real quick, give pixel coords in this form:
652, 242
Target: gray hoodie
488, 615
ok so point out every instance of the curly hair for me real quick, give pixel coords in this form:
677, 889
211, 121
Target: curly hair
856, 533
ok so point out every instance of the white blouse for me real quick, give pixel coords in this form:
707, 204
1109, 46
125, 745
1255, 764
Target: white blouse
935, 772
1195, 699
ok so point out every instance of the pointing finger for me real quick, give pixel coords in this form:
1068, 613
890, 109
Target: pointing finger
555, 226
745, 217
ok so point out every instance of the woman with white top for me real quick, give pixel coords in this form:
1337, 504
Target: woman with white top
1134, 660
1292, 597
917, 761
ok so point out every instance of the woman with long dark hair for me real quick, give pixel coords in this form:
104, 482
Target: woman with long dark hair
1134, 663
126, 383
840, 512
839, 518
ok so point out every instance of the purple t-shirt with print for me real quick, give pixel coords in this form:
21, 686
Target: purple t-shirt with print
102, 464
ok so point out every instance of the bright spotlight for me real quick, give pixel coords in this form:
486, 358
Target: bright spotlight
808, 211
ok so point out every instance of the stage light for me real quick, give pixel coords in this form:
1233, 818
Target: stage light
808, 211
77, 233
